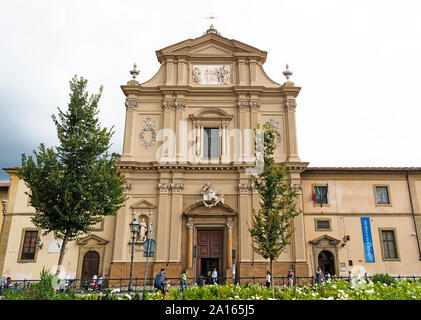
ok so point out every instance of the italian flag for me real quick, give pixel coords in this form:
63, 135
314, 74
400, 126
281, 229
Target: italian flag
316, 189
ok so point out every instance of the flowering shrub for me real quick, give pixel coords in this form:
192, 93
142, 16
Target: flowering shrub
334, 290
358, 289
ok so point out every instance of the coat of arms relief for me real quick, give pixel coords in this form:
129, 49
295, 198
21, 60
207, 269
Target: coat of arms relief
210, 196
148, 133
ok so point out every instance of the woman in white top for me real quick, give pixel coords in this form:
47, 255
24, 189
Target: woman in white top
214, 276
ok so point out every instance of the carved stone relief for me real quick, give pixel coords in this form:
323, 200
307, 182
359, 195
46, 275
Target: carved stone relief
211, 74
275, 127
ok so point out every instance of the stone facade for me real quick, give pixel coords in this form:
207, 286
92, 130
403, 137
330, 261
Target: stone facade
212, 82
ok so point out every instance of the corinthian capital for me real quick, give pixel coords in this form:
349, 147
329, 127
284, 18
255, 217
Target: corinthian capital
131, 104
290, 105
242, 105
164, 187
177, 187
180, 105
254, 105
168, 105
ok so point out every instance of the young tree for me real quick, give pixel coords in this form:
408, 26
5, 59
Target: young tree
272, 225
75, 184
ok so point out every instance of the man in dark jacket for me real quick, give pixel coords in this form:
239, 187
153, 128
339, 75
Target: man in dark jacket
160, 281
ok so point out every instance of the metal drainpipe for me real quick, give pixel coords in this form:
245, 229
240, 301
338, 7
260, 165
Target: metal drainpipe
413, 216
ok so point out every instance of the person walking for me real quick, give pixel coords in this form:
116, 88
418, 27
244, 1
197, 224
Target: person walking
160, 280
183, 281
214, 276
268, 279
290, 277
319, 275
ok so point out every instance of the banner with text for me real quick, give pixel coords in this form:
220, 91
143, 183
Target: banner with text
368, 242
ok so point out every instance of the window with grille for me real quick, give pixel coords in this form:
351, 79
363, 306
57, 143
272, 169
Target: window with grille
322, 224
389, 244
210, 142
382, 195
29, 245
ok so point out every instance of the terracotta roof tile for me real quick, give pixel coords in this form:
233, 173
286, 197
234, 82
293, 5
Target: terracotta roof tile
363, 169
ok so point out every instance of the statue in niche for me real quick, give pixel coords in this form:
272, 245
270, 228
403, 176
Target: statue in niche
141, 235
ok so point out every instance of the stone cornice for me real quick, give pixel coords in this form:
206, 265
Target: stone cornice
139, 89
155, 166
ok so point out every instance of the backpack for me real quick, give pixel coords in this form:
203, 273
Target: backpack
158, 280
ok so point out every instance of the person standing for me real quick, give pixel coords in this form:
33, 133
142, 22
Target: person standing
319, 275
3, 284
183, 281
214, 276
290, 277
268, 279
99, 283
349, 276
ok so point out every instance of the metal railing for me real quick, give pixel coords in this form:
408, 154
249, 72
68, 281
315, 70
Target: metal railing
121, 285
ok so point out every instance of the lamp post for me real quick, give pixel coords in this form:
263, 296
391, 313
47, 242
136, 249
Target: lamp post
134, 228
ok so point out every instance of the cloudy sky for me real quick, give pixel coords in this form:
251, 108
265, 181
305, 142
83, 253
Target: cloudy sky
358, 63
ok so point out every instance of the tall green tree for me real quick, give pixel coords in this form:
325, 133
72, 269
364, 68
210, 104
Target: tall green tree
76, 183
272, 225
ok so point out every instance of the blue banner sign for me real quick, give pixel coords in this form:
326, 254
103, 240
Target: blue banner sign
368, 242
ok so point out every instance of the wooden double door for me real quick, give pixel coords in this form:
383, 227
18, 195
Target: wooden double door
210, 244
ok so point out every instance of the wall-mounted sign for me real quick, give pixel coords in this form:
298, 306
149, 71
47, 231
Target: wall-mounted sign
54, 247
367, 240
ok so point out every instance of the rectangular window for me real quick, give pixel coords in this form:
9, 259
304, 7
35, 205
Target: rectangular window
211, 142
320, 194
382, 195
322, 224
389, 244
29, 245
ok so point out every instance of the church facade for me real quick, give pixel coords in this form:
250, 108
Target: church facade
188, 159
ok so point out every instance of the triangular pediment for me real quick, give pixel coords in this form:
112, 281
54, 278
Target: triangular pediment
212, 45
210, 48
325, 239
93, 239
143, 204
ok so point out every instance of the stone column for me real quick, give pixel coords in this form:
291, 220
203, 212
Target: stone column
229, 244
167, 106
180, 131
242, 115
129, 132
163, 223
175, 222
190, 227
244, 220
292, 131
198, 136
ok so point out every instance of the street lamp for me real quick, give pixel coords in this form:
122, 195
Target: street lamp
134, 228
